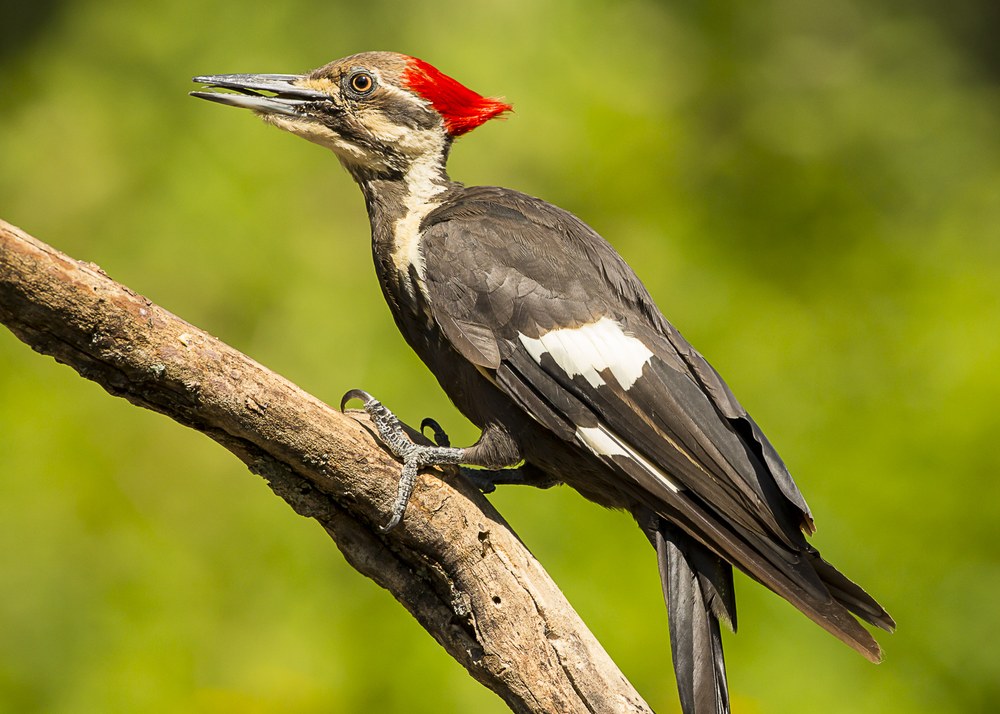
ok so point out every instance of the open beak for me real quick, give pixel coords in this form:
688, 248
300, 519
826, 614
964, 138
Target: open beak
265, 93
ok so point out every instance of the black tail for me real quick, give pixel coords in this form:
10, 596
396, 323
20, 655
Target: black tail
698, 588
824, 594
799, 575
851, 595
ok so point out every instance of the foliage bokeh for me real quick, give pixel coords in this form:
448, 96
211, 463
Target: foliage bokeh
811, 190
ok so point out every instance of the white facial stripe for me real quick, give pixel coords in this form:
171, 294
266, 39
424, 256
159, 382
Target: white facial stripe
401, 93
319, 134
411, 142
385, 130
590, 349
603, 443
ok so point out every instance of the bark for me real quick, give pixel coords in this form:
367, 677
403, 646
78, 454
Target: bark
453, 563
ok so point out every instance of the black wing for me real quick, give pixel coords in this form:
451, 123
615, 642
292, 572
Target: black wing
560, 323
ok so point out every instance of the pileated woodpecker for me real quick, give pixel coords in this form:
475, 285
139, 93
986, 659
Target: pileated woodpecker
545, 338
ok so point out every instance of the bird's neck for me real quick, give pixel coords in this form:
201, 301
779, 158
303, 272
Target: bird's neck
397, 201
397, 205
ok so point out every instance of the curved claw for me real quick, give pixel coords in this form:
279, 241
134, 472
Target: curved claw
399, 444
440, 436
480, 478
359, 394
393, 522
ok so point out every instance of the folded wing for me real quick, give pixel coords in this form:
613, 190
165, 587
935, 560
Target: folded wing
555, 318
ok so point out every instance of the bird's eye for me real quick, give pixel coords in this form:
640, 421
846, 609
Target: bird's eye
362, 83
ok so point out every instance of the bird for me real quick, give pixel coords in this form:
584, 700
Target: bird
544, 337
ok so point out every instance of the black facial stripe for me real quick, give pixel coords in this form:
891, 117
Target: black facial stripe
345, 124
399, 111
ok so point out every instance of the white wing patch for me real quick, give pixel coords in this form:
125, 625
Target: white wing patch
603, 443
590, 349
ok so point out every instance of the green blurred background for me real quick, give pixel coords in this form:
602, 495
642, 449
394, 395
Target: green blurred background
811, 190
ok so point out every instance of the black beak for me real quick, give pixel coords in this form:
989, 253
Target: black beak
280, 93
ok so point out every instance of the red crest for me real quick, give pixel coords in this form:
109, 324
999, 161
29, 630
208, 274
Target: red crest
461, 108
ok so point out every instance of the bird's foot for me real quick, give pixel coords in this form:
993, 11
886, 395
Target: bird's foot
486, 480
414, 456
440, 437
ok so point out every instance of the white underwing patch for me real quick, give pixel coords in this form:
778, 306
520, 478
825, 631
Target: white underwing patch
591, 349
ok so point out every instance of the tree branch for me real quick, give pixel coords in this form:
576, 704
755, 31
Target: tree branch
454, 563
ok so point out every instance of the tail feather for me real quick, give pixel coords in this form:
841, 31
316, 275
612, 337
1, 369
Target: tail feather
801, 578
851, 595
698, 589
832, 608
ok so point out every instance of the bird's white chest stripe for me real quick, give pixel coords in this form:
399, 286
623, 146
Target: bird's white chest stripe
602, 442
423, 183
406, 235
591, 349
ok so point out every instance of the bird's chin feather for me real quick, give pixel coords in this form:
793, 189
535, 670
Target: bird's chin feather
349, 153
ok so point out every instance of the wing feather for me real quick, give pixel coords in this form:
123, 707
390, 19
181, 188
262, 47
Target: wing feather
667, 424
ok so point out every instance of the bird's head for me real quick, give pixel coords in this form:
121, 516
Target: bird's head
378, 111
